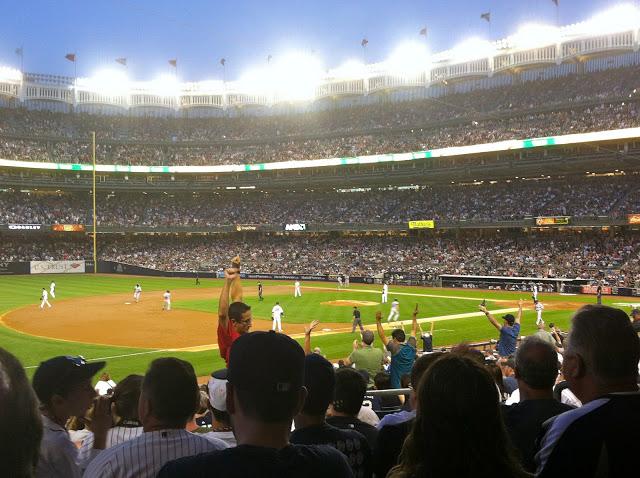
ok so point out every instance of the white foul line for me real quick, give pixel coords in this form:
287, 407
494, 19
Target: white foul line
411, 294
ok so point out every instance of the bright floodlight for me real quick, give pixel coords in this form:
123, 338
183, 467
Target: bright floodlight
9, 74
164, 85
106, 82
350, 69
534, 36
408, 58
617, 19
290, 77
470, 49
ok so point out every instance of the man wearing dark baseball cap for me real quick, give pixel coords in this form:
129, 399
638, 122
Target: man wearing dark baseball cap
265, 390
63, 386
509, 331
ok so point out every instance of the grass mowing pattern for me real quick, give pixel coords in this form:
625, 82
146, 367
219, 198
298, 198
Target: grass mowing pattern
18, 291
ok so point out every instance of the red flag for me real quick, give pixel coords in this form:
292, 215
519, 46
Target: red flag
364, 42
122, 61
173, 63
486, 16
222, 61
423, 32
70, 57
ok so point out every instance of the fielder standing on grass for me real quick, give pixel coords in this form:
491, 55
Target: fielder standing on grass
296, 289
385, 292
539, 308
260, 298
52, 289
167, 301
395, 311
356, 321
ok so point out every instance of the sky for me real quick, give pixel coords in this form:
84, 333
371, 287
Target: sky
198, 33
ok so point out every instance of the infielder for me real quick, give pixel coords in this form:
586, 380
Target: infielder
167, 301
260, 298
539, 308
276, 315
534, 292
52, 289
385, 292
395, 311
137, 290
296, 289
45, 298
356, 321
339, 281
346, 281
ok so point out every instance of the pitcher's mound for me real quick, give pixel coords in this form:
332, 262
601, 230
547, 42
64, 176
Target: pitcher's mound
352, 303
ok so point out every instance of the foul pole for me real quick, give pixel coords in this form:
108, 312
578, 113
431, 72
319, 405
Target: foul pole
95, 250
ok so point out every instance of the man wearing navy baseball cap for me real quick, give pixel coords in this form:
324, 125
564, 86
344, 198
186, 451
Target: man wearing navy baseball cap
509, 330
265, 390
63, 386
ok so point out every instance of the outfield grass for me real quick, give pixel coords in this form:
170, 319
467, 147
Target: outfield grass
18, 291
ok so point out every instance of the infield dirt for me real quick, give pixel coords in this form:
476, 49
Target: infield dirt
116, 319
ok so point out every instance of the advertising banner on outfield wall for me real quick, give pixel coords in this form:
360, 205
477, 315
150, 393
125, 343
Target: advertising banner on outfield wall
57, 267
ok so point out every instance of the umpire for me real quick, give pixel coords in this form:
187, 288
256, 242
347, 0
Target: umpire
356, 321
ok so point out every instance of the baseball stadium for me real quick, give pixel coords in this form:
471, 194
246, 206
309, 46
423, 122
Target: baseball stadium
444, 191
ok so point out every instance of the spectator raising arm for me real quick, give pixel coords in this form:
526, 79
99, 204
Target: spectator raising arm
307, 336
519, 316
491, 318
223, 304
381, 333
415, 325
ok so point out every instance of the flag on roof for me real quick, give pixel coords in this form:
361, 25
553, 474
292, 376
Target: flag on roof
122, 61
70, 57
486, 16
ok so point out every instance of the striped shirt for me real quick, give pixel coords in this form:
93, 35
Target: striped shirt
115, 436
144, 456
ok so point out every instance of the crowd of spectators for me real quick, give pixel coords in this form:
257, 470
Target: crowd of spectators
612, 259
468, 412
483, 202
529, 109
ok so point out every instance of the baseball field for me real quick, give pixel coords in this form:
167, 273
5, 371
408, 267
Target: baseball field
95, 316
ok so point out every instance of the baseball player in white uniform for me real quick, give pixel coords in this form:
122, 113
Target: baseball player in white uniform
45, 298
539, 308
339, 281
534, 292
296, 289
385, 292
137, 290
395, 311
167, 301
276, 314
346, 281
52, 289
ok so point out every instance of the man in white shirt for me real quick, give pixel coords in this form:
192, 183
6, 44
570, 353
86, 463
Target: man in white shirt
167, 403
394, 314
539, 308
52, 289
296, 289
167, 301
63, 386
44, 299
276, 314
385, 292
137, 291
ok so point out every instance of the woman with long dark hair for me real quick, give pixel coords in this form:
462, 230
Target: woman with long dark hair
458, 430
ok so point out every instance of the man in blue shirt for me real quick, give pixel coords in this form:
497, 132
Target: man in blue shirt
403, 351
509, 331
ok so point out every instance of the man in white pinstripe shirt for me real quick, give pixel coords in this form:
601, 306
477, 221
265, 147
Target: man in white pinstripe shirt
168, 401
